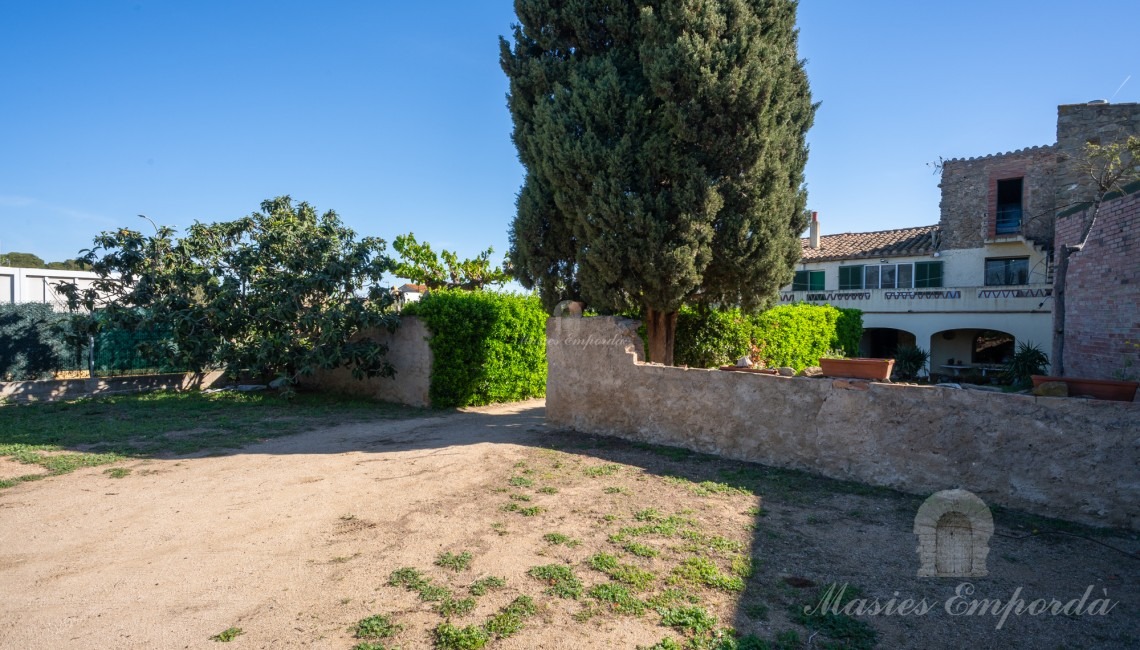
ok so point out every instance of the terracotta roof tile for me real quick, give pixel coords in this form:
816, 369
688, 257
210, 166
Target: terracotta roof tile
882, 243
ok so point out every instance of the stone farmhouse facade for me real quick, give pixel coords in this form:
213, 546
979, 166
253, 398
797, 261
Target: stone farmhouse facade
971, 287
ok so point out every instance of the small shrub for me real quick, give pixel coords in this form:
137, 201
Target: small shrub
910, 361
449, 606
1027, 361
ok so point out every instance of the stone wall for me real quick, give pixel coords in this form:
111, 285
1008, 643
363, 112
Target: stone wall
1066, 458
67, 389
969, 195
1079, 124
1102, 305
409, 354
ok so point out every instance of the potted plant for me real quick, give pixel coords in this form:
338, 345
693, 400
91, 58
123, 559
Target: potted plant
910, 361
835, 365
1110, 389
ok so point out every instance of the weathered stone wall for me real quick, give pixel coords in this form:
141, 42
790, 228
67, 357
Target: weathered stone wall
1067, 458
409, 354
66, 389
969, 195
1078, 125
1102, 303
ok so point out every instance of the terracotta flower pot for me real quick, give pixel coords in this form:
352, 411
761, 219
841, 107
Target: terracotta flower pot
1110, 389
875, 369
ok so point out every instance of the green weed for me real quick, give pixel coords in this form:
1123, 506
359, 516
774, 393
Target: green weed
608, 469
449, 606
559, 538
509, 620
689, 620
548, 490
483, 585
560, 578
227, 635
618, 599
520, 481
454, 562
450, 637
377, 626
117, 472
702, 571
641, 550
625, 573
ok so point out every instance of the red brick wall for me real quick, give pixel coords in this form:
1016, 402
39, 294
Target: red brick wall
1102, 314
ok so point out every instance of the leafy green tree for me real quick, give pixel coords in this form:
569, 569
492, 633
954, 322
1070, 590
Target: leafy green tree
22, 260
281, 292
664, 147
420, 264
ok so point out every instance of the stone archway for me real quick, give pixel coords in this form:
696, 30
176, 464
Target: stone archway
954, 529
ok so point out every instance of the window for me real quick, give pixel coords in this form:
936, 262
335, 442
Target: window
927, 274
808, 281
850, 277
1005, 271
888, 276
1008, 219
992, 347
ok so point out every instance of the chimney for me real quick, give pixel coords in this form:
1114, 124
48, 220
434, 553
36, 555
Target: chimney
813, 232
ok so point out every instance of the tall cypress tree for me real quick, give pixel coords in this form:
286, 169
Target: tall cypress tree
664, 147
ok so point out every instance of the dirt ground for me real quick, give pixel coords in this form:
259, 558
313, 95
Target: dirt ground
293, 541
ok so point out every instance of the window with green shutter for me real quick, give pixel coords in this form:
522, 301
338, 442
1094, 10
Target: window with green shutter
850, 277
927, 274
808, 281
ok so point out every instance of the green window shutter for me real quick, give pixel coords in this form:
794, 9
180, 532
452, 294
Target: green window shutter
815, 281
927, 274
850, 277
800, 283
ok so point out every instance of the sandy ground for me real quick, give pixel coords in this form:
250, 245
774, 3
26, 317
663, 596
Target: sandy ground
293, 540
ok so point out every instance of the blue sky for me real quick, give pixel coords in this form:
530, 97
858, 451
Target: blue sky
393, 114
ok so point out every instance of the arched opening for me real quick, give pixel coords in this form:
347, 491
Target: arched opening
883, 342
954, 545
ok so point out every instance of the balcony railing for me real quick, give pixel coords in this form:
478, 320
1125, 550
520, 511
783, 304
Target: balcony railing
1020, 298
1008, 221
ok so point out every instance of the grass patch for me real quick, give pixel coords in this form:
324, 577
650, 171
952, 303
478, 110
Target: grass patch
560, 578
654, 523
117, 472
704, 572
609, 469
520, 481
641, 550
454, 562
851, 633
548, 490
618, 599
532, 511
227, 635
483, 585
616, 490
413, 580
559, 538
635, 577
715, 543
377, 626
106, 430
689, 620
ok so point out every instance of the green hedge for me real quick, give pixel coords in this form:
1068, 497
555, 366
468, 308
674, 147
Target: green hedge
488, 347
33, 343
788, 335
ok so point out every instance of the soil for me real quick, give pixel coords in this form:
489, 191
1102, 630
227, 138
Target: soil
293, 541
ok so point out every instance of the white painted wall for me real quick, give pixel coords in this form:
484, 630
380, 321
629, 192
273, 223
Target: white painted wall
38, 285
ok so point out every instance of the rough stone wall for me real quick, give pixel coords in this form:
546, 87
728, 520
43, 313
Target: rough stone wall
969, 195
1066, 458
409, 354
67, 389
1102, 304
1079, 124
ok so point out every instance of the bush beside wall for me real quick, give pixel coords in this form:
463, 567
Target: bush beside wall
32, 342
788, 335
487, 347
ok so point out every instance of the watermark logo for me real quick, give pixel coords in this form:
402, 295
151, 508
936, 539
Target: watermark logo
954, 529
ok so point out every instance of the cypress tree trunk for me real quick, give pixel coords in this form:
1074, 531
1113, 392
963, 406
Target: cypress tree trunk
662, 329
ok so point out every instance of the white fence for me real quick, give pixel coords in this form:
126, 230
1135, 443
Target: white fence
38, 285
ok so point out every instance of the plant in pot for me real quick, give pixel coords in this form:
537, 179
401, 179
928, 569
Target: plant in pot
855, 368
1027, 361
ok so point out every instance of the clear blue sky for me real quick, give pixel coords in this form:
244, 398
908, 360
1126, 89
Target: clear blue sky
393, 113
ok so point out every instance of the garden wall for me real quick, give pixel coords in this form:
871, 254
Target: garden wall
66, 389
409, 354
1067, 458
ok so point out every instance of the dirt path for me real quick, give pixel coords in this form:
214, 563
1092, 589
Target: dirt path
293, 541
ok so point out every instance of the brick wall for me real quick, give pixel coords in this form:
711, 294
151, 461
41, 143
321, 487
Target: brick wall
1102, 304
969, 195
